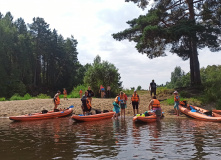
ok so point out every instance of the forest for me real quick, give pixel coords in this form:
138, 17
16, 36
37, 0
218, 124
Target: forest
37, 60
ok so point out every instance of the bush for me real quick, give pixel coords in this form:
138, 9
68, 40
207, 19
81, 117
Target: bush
16, 97
43, 96
27, 96
2, 99
75, 92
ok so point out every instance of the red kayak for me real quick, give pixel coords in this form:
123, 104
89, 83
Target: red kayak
41, 116
94, 117
200, 113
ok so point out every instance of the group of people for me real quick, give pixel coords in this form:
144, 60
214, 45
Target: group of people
105, 94
120, 102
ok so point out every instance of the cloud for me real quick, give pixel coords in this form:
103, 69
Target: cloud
92, 23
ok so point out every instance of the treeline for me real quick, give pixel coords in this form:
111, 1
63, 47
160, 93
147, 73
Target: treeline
35, 59
211, 86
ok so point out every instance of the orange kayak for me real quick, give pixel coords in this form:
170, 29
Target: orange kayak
200, 113
95, 117
216, 111
148, 119
40, 116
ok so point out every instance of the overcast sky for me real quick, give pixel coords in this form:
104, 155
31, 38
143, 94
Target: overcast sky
92, 22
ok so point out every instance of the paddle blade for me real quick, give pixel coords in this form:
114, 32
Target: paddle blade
71, 106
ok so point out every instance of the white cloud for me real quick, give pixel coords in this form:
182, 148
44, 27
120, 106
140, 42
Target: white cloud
92, 22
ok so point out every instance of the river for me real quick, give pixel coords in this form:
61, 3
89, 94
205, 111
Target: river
62, 138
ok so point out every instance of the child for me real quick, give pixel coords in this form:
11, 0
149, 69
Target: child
80, 93
65, 94
176, 103
116, 107
123, 103
56, 100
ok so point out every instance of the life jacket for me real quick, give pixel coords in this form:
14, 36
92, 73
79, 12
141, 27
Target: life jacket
135, 98
65, 92
176, 98
80, 91
88, 103
57, 100
156, 103
116, 100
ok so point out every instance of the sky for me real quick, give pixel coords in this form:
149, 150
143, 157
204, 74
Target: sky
92, 23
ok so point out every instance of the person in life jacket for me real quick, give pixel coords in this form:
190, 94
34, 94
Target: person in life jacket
65, 94
90, 94
56, 100
80, 93
86, 104
135, 101
153, 88
176, 103
155, 106
123, 103
116, 105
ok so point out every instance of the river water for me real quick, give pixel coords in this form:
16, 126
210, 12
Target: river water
62, 138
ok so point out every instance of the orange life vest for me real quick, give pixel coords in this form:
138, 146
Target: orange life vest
116, 100
88, 102
65, 92
80, 91
156, 103
135, 98
176, 98
57, 100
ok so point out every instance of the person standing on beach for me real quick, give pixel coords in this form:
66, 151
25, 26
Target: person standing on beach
90, 94
135, 101
65, 94
153, 88
108, 91
56, 100
123, 102
80, 93
102, 91
155, 104
176, 103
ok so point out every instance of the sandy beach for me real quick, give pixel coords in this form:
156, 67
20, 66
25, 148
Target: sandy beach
21, 107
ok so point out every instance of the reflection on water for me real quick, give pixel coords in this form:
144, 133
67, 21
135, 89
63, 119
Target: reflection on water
63, 138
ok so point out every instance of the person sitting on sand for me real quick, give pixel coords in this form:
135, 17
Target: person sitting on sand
56, 100
86, 104
155, 104
176, 103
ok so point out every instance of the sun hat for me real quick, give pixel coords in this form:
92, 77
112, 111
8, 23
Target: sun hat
175, 92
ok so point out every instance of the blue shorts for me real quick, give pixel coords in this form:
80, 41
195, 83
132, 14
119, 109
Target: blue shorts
176, 105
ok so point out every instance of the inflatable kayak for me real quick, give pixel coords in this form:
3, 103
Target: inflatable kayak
40, 116
200, 113
95, 117
150, 118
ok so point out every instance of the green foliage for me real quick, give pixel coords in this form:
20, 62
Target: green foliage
138, 88
154, 32
35, 59
43, 96
2, 98
75, 92
16, 97
102, 73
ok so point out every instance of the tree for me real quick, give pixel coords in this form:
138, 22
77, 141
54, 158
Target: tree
102, 73
138, 88
183, 26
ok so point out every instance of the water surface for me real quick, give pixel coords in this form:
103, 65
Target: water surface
62, 138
